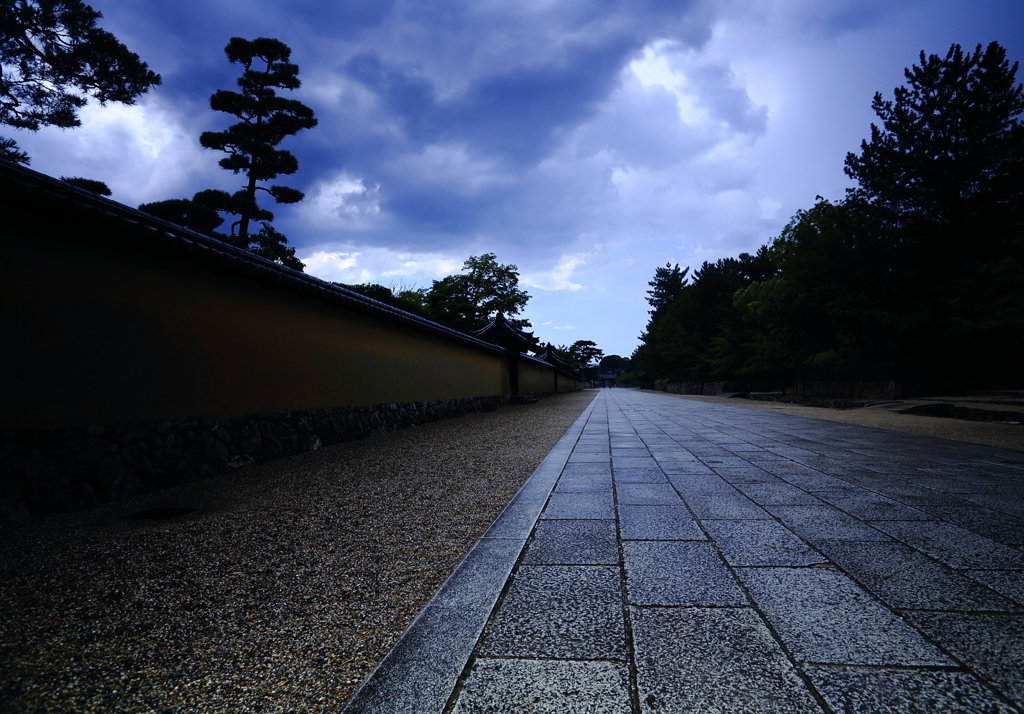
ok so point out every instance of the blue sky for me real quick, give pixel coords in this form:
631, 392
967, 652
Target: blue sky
588, 142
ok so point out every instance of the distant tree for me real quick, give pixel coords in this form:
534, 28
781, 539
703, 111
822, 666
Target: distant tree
266, 119
667, 284
944, 179
9, 151
97, 187
951, 147
270, 244
467, 301
192, 214
581, 356
614, 363
54, 58
410, 301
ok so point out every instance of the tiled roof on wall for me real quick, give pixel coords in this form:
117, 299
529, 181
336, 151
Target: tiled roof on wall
42, 194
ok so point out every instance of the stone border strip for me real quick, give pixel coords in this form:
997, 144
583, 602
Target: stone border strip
420, 672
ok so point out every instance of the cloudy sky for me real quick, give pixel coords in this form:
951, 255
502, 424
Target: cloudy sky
586, 141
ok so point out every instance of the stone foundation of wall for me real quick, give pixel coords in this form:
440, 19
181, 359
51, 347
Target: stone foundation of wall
66, 469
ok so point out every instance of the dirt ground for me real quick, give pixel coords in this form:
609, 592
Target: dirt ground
1007, 436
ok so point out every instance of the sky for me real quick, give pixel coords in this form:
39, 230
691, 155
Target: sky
588, 142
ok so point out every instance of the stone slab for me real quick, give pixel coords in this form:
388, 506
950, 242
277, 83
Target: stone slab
687, 573
822, 616
904, 578
640, 475
760, 543
724, 506
901, 692
1005, 582
574, 506
954, 546
869, 506
573, 543
637, 522
990, 645
651, 494
545, 687
818, 523
776, 494
559, 611
721, 660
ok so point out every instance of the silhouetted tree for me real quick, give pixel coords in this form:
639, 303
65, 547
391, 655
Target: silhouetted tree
54, 58
467, 301
266, 119
97, 187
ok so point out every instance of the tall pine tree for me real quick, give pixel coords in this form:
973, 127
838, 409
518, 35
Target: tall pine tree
266, 119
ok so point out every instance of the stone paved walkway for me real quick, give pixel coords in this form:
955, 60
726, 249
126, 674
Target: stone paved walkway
696, 557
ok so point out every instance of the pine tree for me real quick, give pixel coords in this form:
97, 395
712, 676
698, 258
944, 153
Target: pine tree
266, 119
53, 59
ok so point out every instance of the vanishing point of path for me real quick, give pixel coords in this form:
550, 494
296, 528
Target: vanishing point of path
678, 556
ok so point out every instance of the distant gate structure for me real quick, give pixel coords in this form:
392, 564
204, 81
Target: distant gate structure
140, 354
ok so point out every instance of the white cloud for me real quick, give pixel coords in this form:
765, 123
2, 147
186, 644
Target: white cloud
142, 152
769, 208
342, 201
558, 277
347, 264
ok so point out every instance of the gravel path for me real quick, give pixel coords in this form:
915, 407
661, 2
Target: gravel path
280, 594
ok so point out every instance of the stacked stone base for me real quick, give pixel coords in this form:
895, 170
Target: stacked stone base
66, 469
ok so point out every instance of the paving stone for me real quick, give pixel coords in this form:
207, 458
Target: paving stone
657, 523
496, 686
869, 506
990, 645
776, 494
620, 462
652, 494
817, 523
822, 616
904, 578
858, 691
580, 505
760, 543
1007, 503
678, 573
721, 660
582, 457
685, 467
573, 543
587, 469
640, 475
700, 483
747, 474
559, 611
728, 462
814, 481
914, 495
983, 521
1004, 582
954, 546
585, 484
724, 506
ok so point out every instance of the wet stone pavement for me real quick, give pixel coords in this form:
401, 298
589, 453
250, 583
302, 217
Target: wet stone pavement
676, 556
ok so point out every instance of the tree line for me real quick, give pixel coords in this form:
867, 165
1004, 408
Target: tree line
917, 274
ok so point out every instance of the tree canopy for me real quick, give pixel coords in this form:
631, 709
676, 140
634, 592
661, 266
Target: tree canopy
917, 275
54, 59
468, 300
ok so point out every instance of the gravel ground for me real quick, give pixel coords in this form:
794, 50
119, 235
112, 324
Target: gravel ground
1007, 436
280, 595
